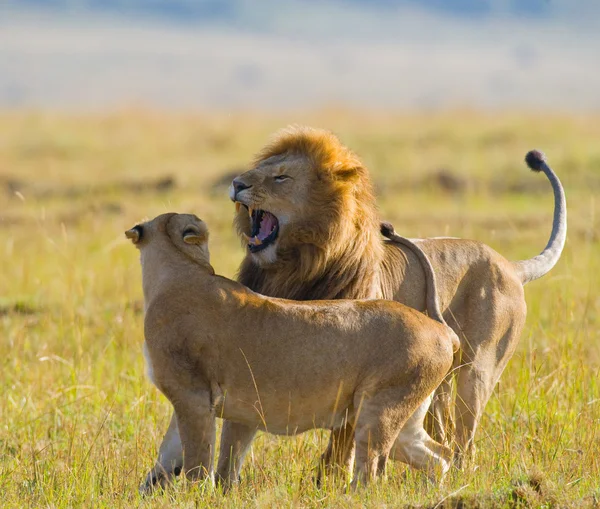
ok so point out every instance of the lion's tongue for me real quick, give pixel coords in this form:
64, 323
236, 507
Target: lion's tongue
266, 226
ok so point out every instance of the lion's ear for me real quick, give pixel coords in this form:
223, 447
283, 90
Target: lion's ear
346, 173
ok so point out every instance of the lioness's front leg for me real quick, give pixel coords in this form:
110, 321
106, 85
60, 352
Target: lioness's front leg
235, 442
169, 462
196, 421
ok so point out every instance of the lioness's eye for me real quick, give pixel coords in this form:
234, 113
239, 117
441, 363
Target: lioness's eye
189, 231
281, 178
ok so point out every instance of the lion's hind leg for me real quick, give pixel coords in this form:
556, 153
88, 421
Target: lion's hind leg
481, 367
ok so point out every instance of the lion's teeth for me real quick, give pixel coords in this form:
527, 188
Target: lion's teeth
237, 206
250, 210
255, 241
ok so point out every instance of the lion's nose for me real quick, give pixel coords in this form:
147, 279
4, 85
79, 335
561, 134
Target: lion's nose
238, 186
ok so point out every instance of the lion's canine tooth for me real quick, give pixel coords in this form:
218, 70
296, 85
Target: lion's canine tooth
250, 210
255, 241
237, 206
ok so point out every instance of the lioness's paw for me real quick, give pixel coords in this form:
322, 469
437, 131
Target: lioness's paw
156, 481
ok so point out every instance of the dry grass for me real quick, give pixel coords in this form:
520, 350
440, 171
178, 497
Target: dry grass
80, 423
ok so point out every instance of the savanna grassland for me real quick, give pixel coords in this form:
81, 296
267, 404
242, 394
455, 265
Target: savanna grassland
79, 421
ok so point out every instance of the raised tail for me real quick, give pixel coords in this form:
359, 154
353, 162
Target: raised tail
432, 301
536, 267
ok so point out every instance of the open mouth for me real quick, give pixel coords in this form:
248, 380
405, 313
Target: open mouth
264, 228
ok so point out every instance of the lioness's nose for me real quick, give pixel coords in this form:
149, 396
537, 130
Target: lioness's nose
238, 186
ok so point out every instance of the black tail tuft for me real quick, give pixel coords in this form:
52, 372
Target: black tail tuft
535, 160
387, 229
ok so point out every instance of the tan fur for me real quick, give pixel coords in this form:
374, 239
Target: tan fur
216, 348
329, 247
332, 246
480, 291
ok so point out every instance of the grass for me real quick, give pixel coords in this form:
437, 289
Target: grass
80, 423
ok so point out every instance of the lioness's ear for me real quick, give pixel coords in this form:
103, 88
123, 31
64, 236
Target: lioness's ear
134, 234
193, 236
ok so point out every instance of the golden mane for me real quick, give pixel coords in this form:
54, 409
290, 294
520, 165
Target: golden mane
321, 148
335, 250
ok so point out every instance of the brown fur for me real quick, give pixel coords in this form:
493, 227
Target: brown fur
330, 249
334, 249
215, 348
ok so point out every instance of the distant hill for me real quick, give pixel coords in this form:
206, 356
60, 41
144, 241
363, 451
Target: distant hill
295, 54
207, 11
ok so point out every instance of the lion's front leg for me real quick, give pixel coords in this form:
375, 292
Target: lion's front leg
440, 419
415, 447
169, 462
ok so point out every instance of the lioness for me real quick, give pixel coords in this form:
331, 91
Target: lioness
307, 218
216, 348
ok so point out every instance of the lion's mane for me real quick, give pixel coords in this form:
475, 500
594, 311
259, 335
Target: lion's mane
335, 250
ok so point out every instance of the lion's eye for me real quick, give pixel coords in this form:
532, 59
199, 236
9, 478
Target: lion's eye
281, 178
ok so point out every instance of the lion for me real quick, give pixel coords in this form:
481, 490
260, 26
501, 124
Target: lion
216, 348
307, 218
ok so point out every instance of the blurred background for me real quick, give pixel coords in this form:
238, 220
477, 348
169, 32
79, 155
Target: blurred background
112, 111
274, 54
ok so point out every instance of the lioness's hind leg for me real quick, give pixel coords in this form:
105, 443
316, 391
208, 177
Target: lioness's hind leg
169, 461
339, 455
378, 423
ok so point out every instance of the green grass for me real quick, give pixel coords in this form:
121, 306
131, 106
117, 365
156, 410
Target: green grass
79, 421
